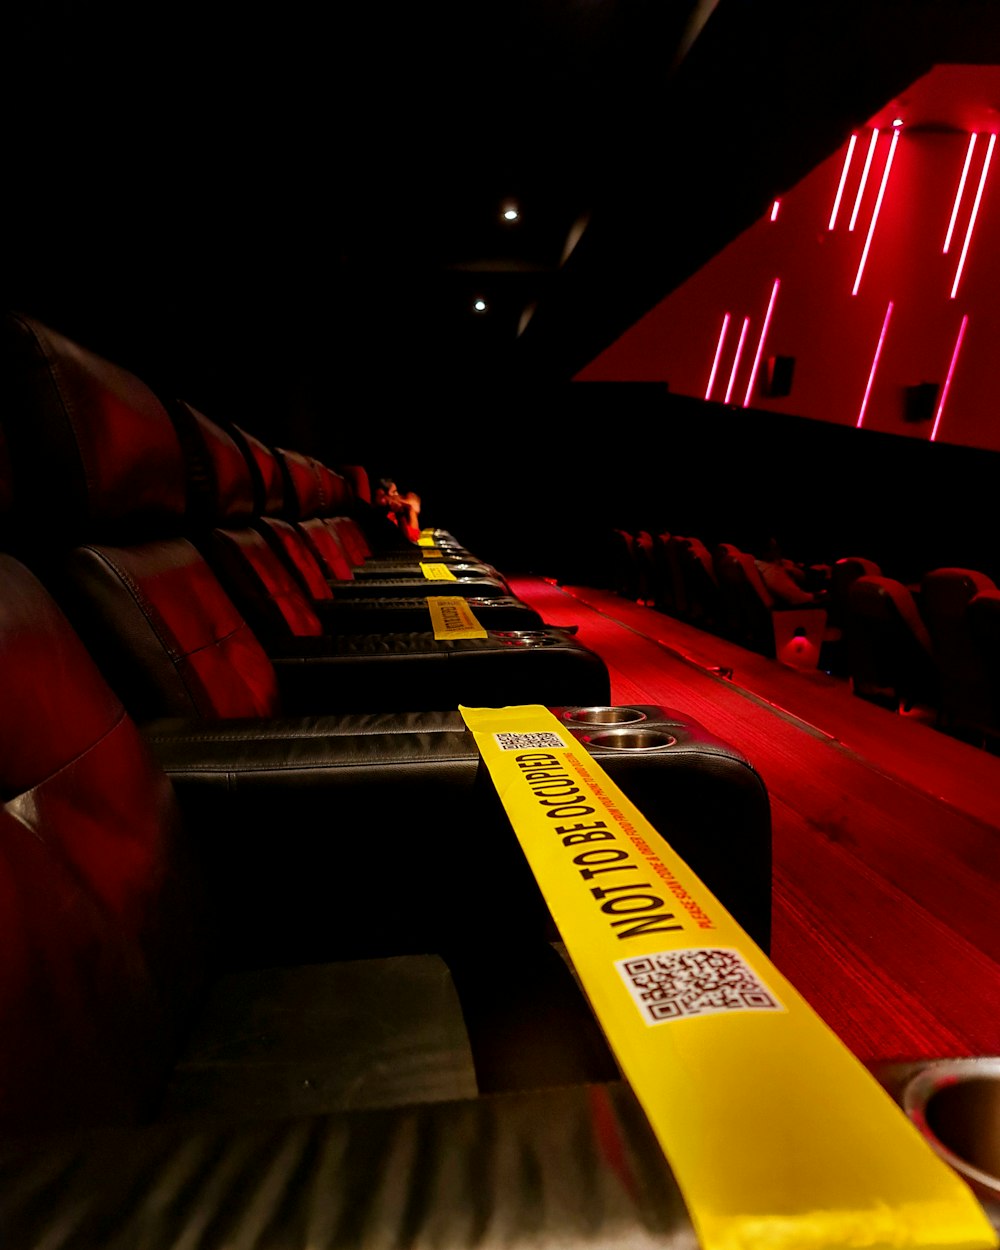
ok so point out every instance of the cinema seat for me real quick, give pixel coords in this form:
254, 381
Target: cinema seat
304, 481
700, 599
791, 633
227, 495
945, 595
134, 980
170, 1077
100, 495
251, 735
890, 658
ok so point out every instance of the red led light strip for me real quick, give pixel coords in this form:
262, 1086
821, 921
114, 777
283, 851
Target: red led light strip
760, 342
736, 358
959, 193
718, 356
974, 214
877, 210
950, 375
843, 178
864, 179
871, 374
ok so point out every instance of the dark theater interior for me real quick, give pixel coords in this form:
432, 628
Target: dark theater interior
500, 627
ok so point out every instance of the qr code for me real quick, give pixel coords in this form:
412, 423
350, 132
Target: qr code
527, 742
675, 985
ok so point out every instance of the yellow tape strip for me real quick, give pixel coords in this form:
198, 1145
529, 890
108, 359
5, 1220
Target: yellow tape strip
427, 538
779, 1138
437, 572
451, 617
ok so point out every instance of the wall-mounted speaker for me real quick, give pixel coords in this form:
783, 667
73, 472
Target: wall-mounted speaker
920, 401
778, 376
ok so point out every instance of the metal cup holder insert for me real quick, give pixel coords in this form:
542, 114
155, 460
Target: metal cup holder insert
525, 637
955, 1103
632, 738
604, 716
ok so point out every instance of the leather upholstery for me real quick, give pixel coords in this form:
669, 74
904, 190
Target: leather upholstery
94, 451
101, 964
138, 947
705, 799
100, 416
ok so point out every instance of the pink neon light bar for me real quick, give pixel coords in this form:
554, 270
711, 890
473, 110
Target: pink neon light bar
950, 375
736, 358
774, 210
760, 341
843, 178
877, 210
718, 356
974, 214
871, 374
864, 179
960, 192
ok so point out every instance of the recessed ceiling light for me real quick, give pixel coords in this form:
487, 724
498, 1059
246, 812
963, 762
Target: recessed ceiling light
479, 305
509, 211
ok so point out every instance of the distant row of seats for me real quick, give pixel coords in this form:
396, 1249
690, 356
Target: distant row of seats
933, 646
273, 968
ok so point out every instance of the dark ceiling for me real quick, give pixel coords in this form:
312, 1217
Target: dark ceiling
308, 198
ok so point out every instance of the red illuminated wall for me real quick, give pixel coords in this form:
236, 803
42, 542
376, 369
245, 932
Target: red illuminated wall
834, 292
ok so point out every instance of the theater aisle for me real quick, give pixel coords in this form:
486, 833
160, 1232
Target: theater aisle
886, 831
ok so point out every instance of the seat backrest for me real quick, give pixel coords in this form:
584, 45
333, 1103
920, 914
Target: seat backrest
749, 603
984, 629
263, 562
843, 573
668, 590
702, 596
888, 648
101, 916
945, 595
113, 548
93, 454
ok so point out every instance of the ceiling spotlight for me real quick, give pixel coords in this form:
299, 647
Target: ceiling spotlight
510, 212
479, 305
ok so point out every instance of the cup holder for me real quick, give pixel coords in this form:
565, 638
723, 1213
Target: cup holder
641, 738
955, 1103
604, 716
524, 637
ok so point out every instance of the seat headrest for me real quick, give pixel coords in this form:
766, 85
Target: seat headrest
337, 495
303, 496
946, 591
357, 480
269, 482
220, 485
93, 451
887, 600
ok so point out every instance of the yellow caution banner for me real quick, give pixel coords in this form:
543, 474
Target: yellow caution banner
451, 617
780, 1139
437, 572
